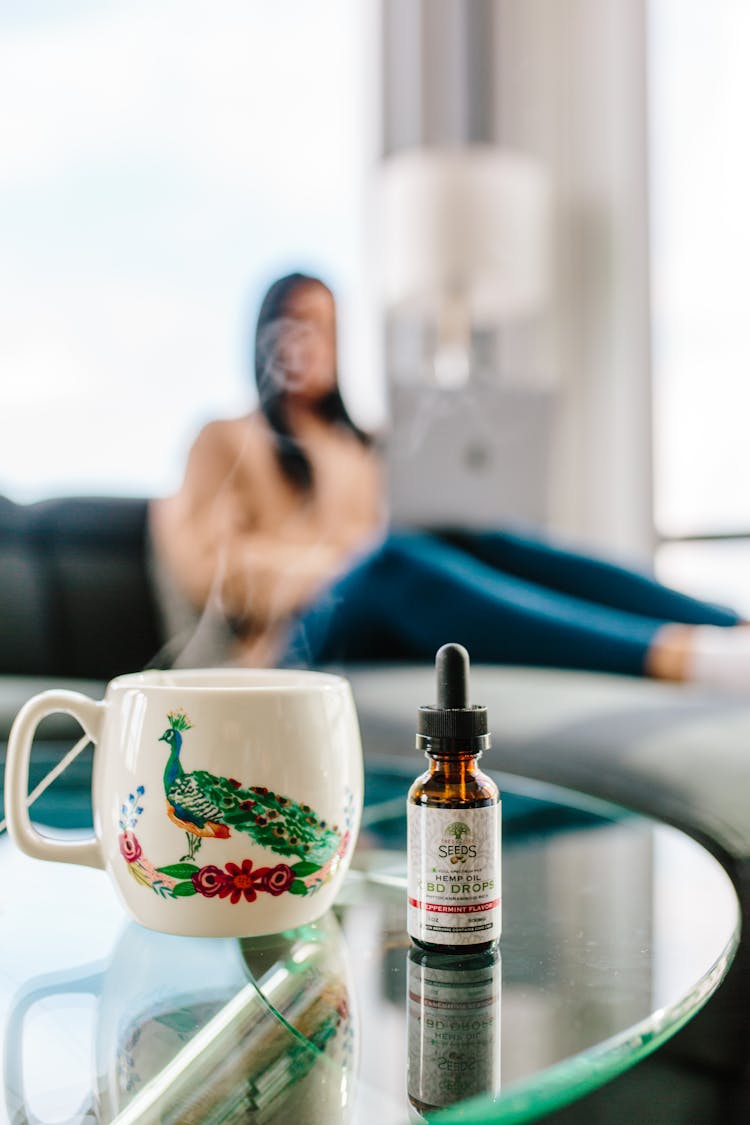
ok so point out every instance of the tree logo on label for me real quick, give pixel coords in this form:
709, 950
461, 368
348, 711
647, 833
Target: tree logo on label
458, 830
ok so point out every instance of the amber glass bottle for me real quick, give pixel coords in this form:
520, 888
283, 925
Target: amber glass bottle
453, 821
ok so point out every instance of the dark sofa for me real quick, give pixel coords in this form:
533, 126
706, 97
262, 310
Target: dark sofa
74, 594
75, 602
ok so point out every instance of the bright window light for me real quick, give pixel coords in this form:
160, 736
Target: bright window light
700, 188
160, 165
700, 226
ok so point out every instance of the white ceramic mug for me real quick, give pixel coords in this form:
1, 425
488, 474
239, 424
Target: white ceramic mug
226, 802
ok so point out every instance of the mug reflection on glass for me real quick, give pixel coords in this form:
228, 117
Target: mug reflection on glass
189, 1030
244, 1062
151, 997
453, 1014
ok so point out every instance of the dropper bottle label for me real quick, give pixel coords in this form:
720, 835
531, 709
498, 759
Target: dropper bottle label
453, 821
454, 891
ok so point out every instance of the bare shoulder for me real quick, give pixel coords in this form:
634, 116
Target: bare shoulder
218, 466
222, 443
216, 438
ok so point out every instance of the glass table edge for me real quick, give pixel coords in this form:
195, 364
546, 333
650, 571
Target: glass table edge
553, 1087
605, 1061
559, 1084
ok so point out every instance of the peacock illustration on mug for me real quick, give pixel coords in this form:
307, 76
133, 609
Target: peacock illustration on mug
207, 806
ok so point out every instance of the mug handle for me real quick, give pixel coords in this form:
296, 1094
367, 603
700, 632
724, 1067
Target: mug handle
66, 982
89, 714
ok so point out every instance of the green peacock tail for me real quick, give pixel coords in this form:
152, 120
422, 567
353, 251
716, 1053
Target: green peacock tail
271, 819
178, 720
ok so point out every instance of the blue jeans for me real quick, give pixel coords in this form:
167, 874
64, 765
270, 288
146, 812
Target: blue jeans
509, 598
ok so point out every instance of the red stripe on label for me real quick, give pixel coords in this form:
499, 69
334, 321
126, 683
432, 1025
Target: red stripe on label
454, 1005
441, 908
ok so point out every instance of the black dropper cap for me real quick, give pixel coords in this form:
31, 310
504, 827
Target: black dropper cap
452, 725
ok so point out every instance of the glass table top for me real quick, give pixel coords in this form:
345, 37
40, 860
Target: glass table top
615, 932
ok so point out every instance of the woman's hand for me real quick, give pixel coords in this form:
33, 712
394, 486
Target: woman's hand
262, 580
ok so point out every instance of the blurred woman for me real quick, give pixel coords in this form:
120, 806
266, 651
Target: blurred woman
279, 532
276, 503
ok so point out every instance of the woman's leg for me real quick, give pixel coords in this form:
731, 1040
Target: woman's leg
594, 579
416, 592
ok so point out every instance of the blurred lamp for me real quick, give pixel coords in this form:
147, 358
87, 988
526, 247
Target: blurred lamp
465, 243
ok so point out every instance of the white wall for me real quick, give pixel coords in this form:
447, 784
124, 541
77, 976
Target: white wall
565, 81
571, 89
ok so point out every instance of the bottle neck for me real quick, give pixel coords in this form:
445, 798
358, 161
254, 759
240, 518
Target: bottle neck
454, 764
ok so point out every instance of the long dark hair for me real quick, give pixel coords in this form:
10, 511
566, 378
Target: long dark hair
272, 398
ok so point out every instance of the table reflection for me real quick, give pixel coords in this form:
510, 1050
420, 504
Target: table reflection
616, 930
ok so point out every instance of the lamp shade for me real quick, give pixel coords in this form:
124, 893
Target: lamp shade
470, 224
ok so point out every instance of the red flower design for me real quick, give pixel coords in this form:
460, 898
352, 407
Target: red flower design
278, 879
129, 846
235, 881
209, 880
242, 881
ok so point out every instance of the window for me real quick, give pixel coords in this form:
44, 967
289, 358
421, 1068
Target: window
160, 165
700, 187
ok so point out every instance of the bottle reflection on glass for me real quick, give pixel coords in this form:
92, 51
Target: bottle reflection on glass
453, 1013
